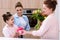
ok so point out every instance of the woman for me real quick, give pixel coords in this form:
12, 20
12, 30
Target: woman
49, 27
19, 19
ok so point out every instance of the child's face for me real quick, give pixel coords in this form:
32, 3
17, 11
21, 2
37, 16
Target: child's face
11, 20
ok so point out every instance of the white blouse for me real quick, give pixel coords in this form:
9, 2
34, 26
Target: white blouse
22, 22
9, 31
48, 29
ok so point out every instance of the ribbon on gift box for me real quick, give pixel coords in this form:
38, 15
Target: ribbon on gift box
20, 29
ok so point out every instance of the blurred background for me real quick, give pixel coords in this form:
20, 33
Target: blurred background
29, 6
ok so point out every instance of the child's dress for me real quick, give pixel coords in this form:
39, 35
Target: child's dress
9, 31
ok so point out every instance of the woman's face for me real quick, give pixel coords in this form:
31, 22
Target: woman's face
46, 11
10, 21
19, 10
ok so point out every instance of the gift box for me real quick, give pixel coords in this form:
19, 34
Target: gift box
20, 30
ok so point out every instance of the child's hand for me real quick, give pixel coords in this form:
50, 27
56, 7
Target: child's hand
15, 35
22, 32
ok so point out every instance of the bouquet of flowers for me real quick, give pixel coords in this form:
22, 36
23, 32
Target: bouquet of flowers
36, 14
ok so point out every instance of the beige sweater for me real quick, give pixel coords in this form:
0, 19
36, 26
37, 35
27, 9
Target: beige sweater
48, 29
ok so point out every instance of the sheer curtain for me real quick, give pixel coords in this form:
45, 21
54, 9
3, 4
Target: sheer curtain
58, 15
57, 12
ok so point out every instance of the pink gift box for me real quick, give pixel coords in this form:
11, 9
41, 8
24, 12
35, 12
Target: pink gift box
20, 30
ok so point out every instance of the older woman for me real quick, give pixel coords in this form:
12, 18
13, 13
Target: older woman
49, 27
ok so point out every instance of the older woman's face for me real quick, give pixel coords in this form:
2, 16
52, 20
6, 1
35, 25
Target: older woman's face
19, 10
46, 10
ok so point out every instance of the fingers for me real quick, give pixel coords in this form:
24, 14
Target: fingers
22, 32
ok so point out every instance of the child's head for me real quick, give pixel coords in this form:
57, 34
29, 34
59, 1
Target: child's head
8, 18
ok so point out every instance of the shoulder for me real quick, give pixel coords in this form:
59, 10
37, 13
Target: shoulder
50, 17
25, 16
5, 27
15, 15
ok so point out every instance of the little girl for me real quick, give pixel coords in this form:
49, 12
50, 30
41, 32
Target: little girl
9, 30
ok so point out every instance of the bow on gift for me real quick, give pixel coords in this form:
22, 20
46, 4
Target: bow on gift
20, 30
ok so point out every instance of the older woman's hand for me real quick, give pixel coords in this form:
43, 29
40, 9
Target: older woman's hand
22, 32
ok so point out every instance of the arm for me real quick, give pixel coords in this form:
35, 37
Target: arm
43, 29
27, 28
8, 34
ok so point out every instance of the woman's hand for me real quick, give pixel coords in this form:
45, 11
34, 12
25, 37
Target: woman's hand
16, 35
22, 32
